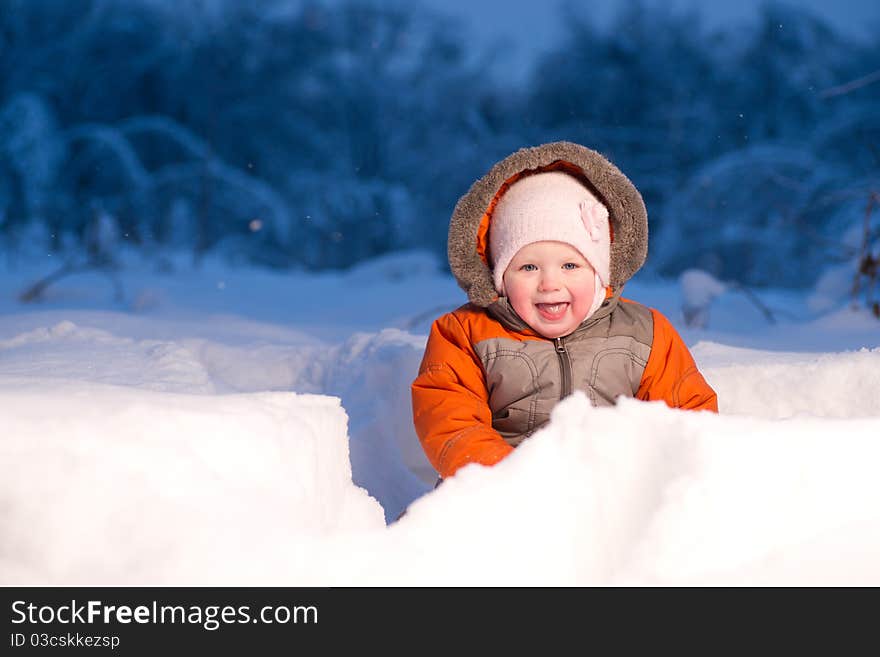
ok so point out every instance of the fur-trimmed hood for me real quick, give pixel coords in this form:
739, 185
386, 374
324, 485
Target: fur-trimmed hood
468, 228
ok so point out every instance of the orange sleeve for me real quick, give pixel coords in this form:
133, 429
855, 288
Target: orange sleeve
671, 373
451, 403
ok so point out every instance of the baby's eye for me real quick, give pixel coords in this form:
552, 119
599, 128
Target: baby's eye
570, 265
528, 267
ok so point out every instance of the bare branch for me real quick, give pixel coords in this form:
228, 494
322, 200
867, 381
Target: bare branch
751, 296
839, 90
35, 292
868, 264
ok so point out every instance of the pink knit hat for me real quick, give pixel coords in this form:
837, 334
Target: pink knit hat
550, 206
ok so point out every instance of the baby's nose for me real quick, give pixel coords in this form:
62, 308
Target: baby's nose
549, 281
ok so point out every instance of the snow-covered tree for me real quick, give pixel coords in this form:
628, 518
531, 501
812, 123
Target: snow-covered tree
313, 134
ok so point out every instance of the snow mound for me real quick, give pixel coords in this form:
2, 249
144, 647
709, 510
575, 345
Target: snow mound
112, 485
105, 486
66, 351
780, 385
224, 364
642, 494
372, 373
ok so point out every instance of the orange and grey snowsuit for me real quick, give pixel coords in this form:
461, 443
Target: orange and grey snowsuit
488, 381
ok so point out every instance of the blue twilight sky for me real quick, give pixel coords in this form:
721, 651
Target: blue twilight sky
527, 27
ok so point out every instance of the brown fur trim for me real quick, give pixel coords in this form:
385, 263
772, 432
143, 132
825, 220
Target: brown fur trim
628, 216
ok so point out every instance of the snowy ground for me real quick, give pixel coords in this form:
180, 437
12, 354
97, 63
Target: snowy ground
238, 426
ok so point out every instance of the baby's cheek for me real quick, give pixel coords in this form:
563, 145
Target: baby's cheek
521, 305
516, 288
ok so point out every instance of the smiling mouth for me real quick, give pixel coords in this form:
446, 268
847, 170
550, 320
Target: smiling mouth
552, 311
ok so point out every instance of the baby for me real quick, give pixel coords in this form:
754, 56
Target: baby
543, 245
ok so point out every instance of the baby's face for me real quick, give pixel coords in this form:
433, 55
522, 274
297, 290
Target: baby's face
551, 287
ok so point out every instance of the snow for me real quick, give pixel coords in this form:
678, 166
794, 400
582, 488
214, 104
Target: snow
225, 425
124, 485
699, 289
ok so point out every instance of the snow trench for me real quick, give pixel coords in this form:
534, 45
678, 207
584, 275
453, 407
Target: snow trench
222, 461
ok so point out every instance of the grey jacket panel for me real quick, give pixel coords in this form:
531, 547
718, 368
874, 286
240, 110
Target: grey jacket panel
608, 355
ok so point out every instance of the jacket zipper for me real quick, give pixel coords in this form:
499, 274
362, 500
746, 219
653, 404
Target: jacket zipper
564, 366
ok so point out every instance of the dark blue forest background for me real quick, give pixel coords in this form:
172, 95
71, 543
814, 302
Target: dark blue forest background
313, 137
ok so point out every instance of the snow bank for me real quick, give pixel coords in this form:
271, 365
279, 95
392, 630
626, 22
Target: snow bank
104, 484
641, 494
68, 351
176, 357
151, 449
372, 374
779, 384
